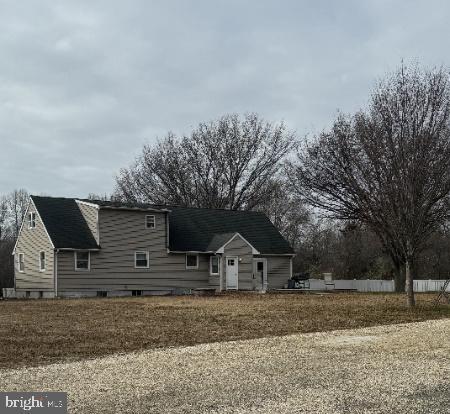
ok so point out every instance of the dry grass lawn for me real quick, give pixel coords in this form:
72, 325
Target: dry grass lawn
37, 332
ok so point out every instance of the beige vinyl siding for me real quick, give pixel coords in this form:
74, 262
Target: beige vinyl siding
31, 242
240, 248
278, 271
122, 233
90, 214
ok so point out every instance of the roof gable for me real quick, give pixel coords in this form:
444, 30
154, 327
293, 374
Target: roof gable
24, 220
221, 249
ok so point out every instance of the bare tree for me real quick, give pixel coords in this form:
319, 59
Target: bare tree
5, 242
347, 249
17, 205
316, 250
288, 214
3, 217
229, 163
12, 210
98, 197
434, 261
6, 264
387, 167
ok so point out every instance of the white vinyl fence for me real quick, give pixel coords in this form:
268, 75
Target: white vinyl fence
429, 285
370, 285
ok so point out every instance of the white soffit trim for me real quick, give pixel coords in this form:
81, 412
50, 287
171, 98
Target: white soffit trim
222, 249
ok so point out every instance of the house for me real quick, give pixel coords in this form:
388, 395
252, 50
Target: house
71, 247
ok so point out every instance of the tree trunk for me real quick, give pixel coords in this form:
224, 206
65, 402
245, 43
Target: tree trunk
409, 283
399, 277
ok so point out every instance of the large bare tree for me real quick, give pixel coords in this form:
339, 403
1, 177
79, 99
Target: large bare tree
388, 166
228, 163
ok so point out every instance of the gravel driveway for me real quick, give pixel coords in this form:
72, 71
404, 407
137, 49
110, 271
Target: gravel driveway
398, 368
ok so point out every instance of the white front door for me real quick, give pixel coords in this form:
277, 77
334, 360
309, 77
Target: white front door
231, 271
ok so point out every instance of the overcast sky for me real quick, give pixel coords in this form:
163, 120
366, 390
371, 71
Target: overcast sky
84, 84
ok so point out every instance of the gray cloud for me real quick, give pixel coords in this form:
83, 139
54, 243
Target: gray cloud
84, 84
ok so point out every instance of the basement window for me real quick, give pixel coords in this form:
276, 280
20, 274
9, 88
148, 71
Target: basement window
141, 260
102, 294
136, 293
82, 261
191, 261
214, 265
31, 220
150, 222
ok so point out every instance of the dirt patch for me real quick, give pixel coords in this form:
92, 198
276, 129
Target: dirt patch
37, 332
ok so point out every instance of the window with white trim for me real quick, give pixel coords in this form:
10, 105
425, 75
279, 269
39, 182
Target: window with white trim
141, 260
214, 265
21, 262
83, 261
42, 261
191, 261
31, 220
150, 222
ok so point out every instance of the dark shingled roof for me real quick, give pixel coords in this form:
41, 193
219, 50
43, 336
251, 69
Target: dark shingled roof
199, 229
64, 222
190, 229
